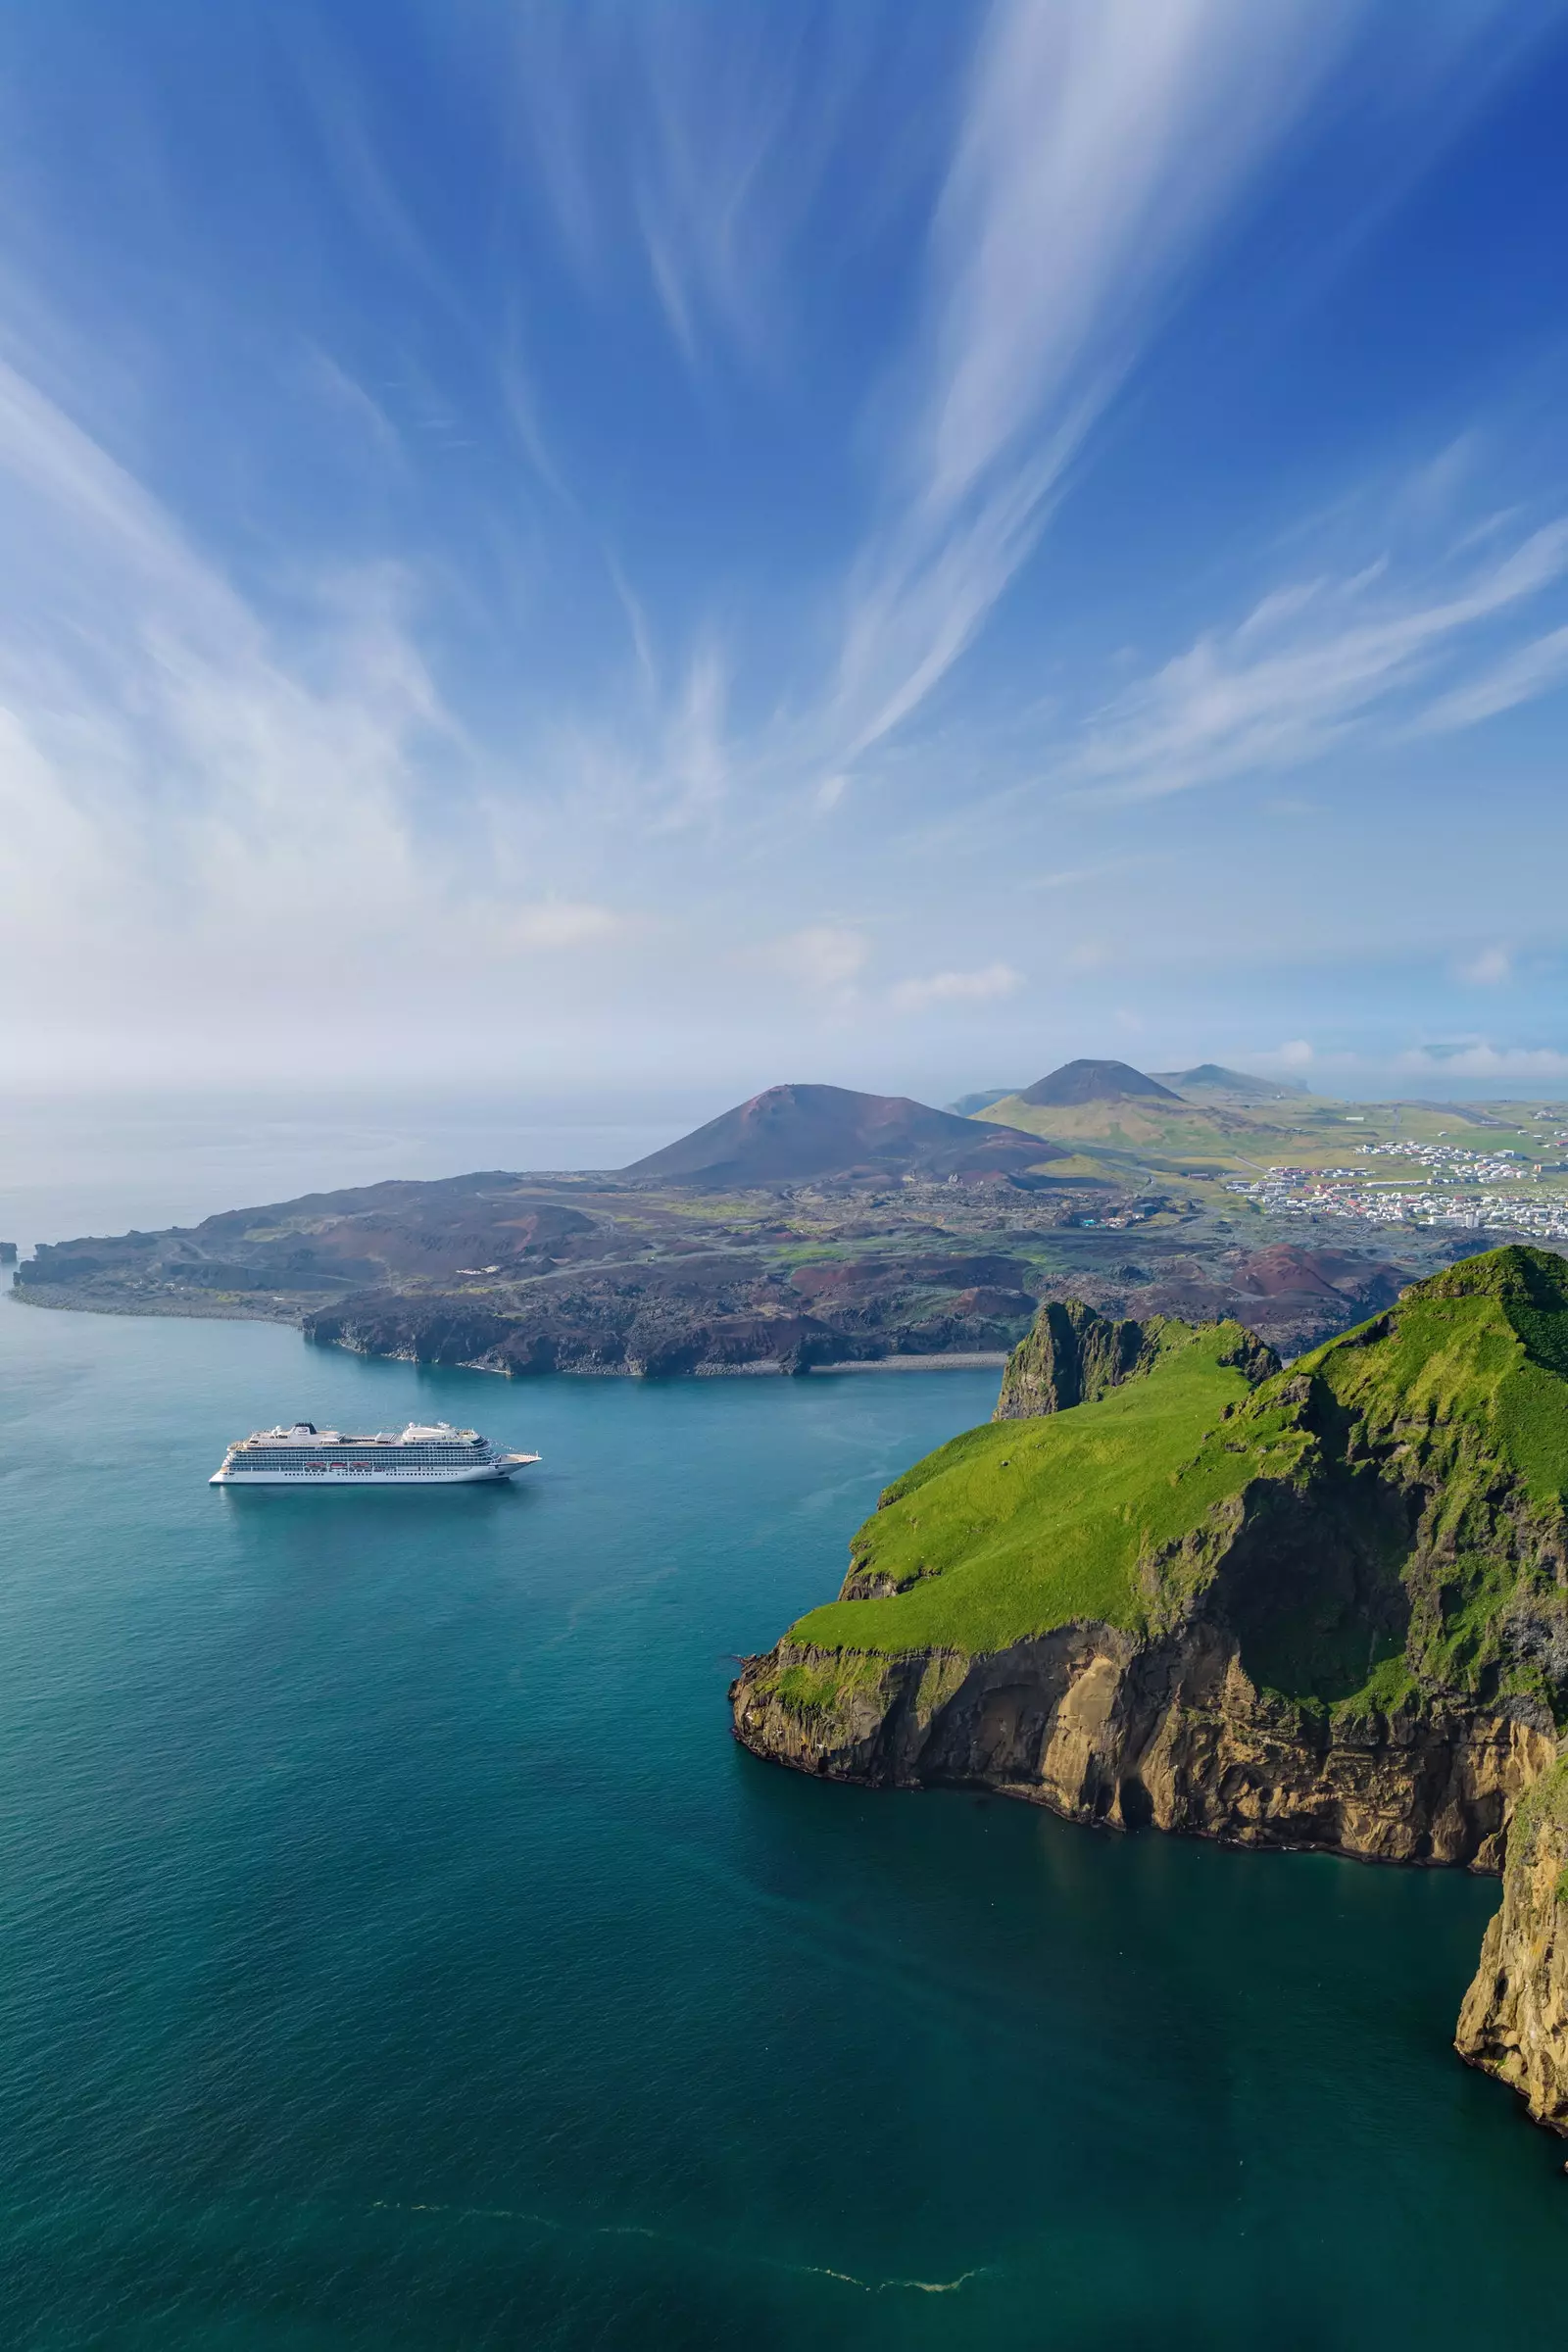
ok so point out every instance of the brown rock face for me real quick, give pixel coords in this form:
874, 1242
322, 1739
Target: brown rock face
1103, 1728
1071, 1356
1362, 1647
1074, 1356
1514, 2023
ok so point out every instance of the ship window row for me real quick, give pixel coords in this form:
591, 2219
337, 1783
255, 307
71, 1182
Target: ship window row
402, 1460
255, 1461
417, 1452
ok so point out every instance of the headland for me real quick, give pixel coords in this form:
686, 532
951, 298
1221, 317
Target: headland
1177, 1585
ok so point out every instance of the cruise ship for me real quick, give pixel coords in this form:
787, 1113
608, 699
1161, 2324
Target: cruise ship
427, 1455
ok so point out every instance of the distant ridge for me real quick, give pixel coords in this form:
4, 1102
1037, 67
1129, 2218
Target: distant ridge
1096, 1082
794, 1134
1212, 1077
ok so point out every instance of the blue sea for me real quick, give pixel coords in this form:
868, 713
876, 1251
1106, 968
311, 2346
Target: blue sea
398, 1954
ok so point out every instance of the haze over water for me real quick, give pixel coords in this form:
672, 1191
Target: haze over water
400, 1954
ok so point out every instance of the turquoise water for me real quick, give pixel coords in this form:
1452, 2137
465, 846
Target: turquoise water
397, 1952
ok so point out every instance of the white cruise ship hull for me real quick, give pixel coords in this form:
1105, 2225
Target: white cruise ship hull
340, 1475
429, 1453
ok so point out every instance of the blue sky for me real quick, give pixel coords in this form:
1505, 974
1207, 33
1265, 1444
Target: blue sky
655, 544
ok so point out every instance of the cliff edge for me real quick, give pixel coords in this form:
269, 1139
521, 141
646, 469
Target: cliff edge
1514, 2023
1325, 1607
1072, 1355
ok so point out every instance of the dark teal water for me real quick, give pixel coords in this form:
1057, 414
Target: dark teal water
397, 1952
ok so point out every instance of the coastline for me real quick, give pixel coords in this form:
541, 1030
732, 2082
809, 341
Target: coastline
976, 1361
225, 1307
228, 1308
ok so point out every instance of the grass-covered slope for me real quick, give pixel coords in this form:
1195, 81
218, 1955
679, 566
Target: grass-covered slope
1386, 1516
1022, 1525
1159, 1134
1467, 1376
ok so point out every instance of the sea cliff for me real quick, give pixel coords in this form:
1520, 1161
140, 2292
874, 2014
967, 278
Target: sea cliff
1514, 2023
1319, 1607
1171, 1733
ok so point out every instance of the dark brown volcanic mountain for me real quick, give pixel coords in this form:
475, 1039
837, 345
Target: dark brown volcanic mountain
800, 1134
1096, 1082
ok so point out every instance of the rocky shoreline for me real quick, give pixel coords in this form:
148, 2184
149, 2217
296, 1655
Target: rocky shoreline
183, 1306
1173, 1735
1123, 1737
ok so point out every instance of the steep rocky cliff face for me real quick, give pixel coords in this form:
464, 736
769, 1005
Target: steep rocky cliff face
1074, 1356
1324, 1607
716, 1317
1514, 2023
1071, 1356
1172, 1735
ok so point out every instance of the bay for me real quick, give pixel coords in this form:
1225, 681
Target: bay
396, 1952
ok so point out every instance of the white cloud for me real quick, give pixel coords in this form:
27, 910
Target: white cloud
982, 987
696, 761
1101, 144
235, 791
822, 957
1520, 678
695, 140
1294, 1055
562, 923
1298, 672
1481, 1059
205, 829
1490, 969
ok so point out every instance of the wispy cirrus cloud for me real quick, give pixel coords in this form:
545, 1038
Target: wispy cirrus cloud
1100, 146
315, 694
184, 791
1104, 153
696, 139
1310, 663
1529, 671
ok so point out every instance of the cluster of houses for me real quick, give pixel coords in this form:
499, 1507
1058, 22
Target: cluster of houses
1443, 1167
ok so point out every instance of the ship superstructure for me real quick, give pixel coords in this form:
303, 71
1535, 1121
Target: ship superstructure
425, 1454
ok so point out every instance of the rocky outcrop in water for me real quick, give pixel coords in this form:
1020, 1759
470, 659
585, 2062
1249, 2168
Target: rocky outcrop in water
1514, 2023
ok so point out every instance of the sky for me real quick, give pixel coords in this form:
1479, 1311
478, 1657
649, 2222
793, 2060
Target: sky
641, 544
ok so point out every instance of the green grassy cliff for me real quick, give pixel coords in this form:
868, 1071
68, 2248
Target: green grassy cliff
1384, 1518
1022, 1525
1325, 1607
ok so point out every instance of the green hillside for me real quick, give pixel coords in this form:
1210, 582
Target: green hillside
1117, 1138
1216, 1134
1386, 1513
1021, 1525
